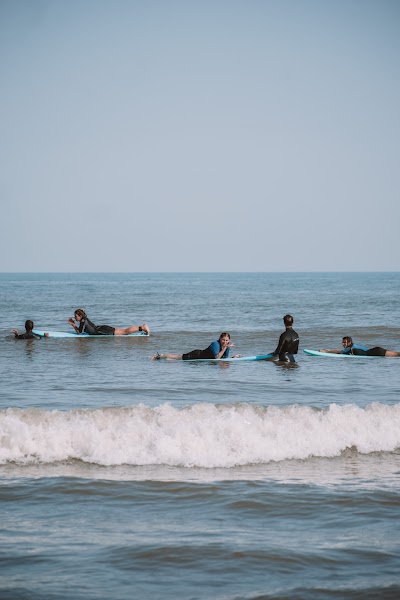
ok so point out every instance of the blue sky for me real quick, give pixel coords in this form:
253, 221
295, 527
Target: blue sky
199, 135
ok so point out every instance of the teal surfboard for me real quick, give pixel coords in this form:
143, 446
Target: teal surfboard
332, 355
242, 358
65, 334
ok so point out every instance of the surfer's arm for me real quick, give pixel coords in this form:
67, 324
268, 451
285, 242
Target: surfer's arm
221, 353
72, 322
332, 351
280, 344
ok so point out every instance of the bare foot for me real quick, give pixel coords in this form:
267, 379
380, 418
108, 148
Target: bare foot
146, 328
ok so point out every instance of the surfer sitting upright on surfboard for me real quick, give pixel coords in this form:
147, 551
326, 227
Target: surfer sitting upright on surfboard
86, 326
350, 348
218, 349
288, 344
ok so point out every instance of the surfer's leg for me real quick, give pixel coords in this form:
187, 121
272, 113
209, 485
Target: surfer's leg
172, 356
377, 351
195, 355
132, 329
286, 357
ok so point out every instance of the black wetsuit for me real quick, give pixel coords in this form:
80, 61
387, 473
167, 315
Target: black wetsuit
287, 346
208, 353
27, 336
86, 326
376, 351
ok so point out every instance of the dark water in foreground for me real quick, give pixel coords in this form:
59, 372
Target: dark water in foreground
122, 477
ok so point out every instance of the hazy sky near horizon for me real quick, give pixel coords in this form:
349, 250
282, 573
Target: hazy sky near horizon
199, 135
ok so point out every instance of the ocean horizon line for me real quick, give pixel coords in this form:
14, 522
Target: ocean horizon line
316, 272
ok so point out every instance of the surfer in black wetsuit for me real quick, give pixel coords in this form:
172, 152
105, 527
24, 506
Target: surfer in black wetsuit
28, 335
85, 325
288, 344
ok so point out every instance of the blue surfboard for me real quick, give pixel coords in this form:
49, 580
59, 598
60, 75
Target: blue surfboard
242, 358
333, 355
65, 334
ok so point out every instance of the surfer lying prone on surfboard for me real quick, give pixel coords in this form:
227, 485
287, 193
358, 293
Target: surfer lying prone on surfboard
86, 326
217, 349
350, 348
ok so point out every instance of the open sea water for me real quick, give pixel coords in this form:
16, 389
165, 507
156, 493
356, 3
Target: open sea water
122, 477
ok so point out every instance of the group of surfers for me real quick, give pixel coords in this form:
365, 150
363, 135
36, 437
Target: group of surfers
285, 351
287, 347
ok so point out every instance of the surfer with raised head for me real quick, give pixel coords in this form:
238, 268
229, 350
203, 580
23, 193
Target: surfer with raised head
288, 344
350, 348
218, 349
28, 335
84, 325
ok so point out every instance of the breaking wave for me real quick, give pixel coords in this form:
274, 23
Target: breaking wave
203, 435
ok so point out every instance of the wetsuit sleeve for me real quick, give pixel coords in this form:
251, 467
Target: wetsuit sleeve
81, 325
27, 336
280, 344
362, 349
89, 327
215, 348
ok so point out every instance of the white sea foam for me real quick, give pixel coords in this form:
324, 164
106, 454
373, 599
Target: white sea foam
203, 435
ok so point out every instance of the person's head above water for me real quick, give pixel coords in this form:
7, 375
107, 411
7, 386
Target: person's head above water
79, 314
347, 341
224, 338
29, 325
288, 320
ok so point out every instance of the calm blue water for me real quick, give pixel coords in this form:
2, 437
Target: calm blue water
123, 477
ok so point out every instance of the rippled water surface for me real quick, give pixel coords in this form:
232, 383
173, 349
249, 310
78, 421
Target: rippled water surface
123, 477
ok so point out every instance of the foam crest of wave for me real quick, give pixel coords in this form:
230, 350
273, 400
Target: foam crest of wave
203, 435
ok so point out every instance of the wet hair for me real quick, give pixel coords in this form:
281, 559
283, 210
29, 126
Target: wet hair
80, 312
347, 339
223, 334
288, 320
29, 325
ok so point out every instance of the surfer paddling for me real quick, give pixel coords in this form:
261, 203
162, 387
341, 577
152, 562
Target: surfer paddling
28, 335
84, 325
218, 349
350, 348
